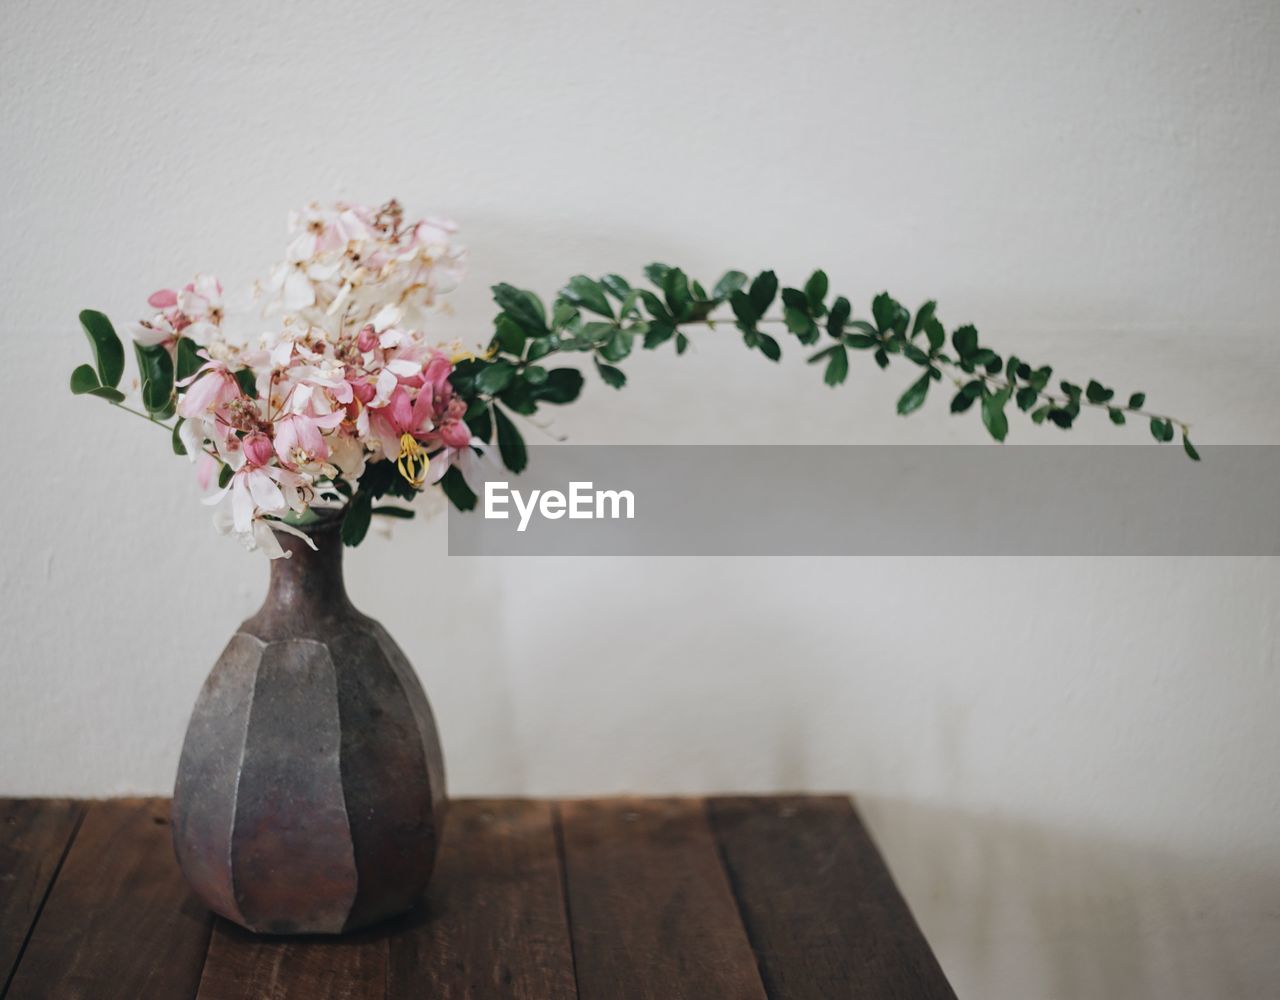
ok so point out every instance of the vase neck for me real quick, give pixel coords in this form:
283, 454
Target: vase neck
307, 588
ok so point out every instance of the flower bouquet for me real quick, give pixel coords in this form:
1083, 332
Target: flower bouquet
310, 791
346, 401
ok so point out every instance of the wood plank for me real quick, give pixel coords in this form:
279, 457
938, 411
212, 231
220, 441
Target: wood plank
494, 926
495, 923
821, 908
244, 966
119, 922
34, 836
650, 909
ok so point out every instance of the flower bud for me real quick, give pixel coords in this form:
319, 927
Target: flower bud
258, 449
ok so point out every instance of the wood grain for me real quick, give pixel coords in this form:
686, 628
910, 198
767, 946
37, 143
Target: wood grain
119, 921
494, 926
821, 908
650, 908
34, 835
243, 966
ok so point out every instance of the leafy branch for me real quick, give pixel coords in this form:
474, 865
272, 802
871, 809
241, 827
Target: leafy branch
608, 317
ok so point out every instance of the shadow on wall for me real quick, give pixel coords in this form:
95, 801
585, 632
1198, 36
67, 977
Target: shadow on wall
1023, 912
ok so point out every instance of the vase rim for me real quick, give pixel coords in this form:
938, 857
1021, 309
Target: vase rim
322, 523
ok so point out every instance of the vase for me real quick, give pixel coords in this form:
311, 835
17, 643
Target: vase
310, 792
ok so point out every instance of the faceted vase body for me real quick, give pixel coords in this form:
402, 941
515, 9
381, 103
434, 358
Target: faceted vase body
310, 792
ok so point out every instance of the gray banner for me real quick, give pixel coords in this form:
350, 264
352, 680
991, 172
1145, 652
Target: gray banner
1060, 500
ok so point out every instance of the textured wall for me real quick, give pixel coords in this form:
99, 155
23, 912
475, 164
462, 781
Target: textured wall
1070, 763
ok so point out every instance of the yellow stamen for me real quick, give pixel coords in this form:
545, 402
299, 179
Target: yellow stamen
412, 462
461, 354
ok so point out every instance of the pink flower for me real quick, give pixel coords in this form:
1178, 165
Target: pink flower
298, 440
258, 489
208, 389
257, 449
399, 425
206, 469
453, 430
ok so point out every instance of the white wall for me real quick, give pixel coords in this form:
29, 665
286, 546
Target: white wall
1070, 763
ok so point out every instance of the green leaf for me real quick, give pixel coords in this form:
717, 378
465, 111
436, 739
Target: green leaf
935, 333
837, 366
657, 273
618, 345
801, 324
1161, 430
882, 358
176, 441
523, 307
563, 385
657, 308
839, 316
247, 383
519, 397
108, 352
682, 343
617, 286
769, 347
1098, 393
495, 377
993, 414
965, 341
564, 315
815, 290
597, 334
889, 314
479, 421
629, 307
510, 443
401, 513
762, 293
1038, 416
729, 283
913, 398
1117, 416
509, 335
156, 369
224, 476
914, 353
743, 307
540, 348
355, 523
861, 341
457, 490
615, 377
587, 293
1026, 398
964, 399
1189, 448
188, 362
535, 375
84, 379
988, 359
796, 299
1137, 400
675, 289
923, 315
657, 334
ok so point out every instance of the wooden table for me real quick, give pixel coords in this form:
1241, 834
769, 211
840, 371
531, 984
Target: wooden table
603, 898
